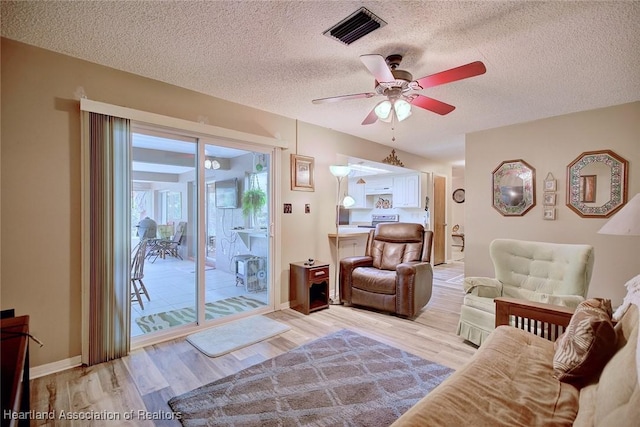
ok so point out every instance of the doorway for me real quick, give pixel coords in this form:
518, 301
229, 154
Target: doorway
206, 258
439, 219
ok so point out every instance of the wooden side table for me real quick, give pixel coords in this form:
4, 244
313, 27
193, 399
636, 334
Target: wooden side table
309, 286
15, 370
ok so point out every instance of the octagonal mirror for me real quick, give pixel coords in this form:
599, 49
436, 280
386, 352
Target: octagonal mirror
597, 184
514, 187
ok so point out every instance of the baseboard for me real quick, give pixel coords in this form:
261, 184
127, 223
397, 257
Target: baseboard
285, 305
62, 365
53, 367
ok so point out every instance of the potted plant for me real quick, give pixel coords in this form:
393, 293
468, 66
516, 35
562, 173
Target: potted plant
252, 201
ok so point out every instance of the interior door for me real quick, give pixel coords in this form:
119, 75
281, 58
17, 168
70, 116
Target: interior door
439, 219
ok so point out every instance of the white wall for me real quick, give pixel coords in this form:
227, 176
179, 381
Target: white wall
457, 209
549, 145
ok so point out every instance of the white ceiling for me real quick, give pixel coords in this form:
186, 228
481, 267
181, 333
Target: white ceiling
543, 58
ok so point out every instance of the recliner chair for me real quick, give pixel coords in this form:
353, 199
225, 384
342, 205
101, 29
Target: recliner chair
552, 273
395, 274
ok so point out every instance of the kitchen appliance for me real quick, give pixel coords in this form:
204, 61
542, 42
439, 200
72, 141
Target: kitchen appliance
379, 219
344, 216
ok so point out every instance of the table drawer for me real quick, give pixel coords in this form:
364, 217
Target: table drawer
320, 273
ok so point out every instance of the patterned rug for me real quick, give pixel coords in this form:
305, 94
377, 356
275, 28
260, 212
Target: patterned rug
213, 310
343, 379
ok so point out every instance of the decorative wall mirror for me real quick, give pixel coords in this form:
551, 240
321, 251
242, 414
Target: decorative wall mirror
514, 185
597, 184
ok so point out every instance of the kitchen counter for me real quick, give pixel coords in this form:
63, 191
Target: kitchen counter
349, 230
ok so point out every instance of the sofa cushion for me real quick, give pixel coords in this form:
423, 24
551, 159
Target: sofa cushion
374, 280
587, 344
508, 382
387, 255
615, 399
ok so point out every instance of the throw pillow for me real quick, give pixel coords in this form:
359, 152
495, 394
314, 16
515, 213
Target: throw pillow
587, 344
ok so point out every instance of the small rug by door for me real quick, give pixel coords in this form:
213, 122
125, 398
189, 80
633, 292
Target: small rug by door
224, 339
213, 310
341, 379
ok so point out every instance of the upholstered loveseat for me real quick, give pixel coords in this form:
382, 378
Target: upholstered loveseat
510, 382
551, 273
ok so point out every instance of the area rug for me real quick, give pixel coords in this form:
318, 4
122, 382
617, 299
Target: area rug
343, 379
213, 310
226, 338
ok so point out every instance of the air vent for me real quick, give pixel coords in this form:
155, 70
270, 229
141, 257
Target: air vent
355, 26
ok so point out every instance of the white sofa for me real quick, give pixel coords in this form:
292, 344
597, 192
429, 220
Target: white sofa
550, 273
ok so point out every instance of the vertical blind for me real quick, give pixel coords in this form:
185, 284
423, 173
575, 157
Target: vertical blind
109, 237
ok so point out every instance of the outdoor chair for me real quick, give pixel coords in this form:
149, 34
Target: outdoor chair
137, 274
168, 247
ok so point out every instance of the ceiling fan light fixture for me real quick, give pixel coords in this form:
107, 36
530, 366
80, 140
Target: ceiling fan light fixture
383, 110
211, 164
402, 109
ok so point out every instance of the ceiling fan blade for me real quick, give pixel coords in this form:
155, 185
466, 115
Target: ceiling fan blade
431, 104
344, 97
378, 67
371, 118
463, 72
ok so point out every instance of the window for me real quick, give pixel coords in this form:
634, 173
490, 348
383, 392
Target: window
171, 206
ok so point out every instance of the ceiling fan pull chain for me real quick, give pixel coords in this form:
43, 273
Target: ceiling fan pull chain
393, 127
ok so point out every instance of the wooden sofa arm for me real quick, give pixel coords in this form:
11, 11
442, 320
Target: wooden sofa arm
545, 320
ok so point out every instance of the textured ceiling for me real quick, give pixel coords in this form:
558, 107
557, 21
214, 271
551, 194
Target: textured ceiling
543, 58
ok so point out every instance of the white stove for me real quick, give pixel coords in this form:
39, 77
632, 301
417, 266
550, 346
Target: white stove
379, 219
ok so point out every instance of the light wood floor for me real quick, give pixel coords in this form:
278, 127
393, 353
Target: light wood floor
147, 378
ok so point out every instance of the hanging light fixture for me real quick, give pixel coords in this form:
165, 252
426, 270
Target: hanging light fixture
211, 163
387, 108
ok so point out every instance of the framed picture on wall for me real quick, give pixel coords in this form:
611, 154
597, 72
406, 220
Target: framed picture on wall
549, 199
549, 214
302, 173
550, 185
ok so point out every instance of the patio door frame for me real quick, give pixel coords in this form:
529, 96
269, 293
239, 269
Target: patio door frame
205, 133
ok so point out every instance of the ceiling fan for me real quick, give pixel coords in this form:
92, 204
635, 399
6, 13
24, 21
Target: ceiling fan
398, 87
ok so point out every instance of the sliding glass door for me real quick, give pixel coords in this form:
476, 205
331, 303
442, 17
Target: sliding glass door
164, 220
206, 252
237, 271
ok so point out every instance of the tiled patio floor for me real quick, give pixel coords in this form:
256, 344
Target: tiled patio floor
171, 284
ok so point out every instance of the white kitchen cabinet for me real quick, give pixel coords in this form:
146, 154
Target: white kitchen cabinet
378, 185
406, 191
357, 191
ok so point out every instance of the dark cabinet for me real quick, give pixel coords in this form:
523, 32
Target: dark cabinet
309, 286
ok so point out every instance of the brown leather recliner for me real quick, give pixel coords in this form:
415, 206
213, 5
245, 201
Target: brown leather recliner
395, 274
